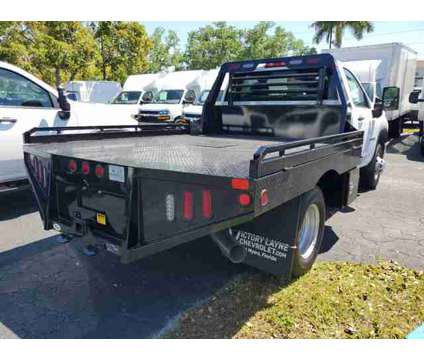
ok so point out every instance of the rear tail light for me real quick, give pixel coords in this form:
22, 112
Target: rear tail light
85, 168
207, 204
72, 166
188, 205
264, 198
240, 184
100, 171
170, 207
244, 199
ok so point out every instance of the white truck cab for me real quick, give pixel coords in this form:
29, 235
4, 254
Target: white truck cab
176, 90
366, 114
27, 102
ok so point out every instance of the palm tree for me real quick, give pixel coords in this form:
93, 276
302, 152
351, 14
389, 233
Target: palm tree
328, 29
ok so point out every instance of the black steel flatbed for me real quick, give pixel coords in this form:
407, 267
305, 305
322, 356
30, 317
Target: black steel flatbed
206, 155
247, 176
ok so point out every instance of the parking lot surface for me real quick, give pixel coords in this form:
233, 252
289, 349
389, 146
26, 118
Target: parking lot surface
51, 290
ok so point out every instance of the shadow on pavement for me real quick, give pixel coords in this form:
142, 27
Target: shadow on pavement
49, 290
406, 145
329, 240
16, 203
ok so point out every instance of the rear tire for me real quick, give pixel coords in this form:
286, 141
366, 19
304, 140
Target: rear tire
370, 174
311, 231
422, 145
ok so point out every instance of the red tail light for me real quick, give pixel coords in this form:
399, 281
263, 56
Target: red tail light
100, 171
275, 64
240, 184
264, 197
72, 166
85, 168
188, 205
207, 204
244, 199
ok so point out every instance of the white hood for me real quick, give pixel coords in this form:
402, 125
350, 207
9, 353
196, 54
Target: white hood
193, 109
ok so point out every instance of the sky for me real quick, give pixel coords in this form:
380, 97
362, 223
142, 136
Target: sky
410, 33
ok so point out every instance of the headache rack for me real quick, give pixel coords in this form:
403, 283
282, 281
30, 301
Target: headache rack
60, 134
279, 84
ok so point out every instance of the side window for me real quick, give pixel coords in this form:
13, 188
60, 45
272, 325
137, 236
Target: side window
357, 94
16, 90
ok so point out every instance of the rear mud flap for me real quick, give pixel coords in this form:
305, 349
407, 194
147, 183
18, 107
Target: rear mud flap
270, 239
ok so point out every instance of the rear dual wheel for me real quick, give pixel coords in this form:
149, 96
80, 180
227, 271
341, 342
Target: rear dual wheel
309, 237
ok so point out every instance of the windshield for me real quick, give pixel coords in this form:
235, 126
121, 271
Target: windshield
204, 95
169, 96
127, 97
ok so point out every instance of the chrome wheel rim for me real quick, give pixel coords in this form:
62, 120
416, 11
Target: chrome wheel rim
308, 235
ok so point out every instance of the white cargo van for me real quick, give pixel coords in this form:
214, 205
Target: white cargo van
395, 75
138, 89
92, 91
193, 112
176, 90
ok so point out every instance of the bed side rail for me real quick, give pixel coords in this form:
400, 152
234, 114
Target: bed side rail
75, 133
270, 159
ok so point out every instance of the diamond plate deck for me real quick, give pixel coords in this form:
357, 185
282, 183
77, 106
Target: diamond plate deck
207, 155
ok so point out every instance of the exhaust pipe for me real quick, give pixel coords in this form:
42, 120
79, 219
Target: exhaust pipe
229, 247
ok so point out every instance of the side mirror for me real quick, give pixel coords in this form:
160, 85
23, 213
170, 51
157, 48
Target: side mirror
147, 97
189, 98
377, 111
65, 106
391, 96
414, 97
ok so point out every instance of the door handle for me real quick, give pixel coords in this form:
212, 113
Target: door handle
361, 118
8, 120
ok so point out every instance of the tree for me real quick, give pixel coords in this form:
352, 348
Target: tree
260, 43
61, 49
14, 46
212, 45
330, 29
165, 51
123, 48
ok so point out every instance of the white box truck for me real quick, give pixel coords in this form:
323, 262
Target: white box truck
138, 89
176, 91
395, 75
92, 91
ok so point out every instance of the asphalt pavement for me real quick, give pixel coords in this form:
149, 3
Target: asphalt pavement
51, 290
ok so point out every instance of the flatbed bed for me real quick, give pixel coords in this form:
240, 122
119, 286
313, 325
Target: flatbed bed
207, 155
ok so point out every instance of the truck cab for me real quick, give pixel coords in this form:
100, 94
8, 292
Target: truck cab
176, 90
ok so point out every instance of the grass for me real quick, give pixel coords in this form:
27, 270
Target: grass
334, 300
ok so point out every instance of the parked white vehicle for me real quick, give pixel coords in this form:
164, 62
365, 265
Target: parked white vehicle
92, 91
193, 112
176, 91
27, 102
138, 89
396, 73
